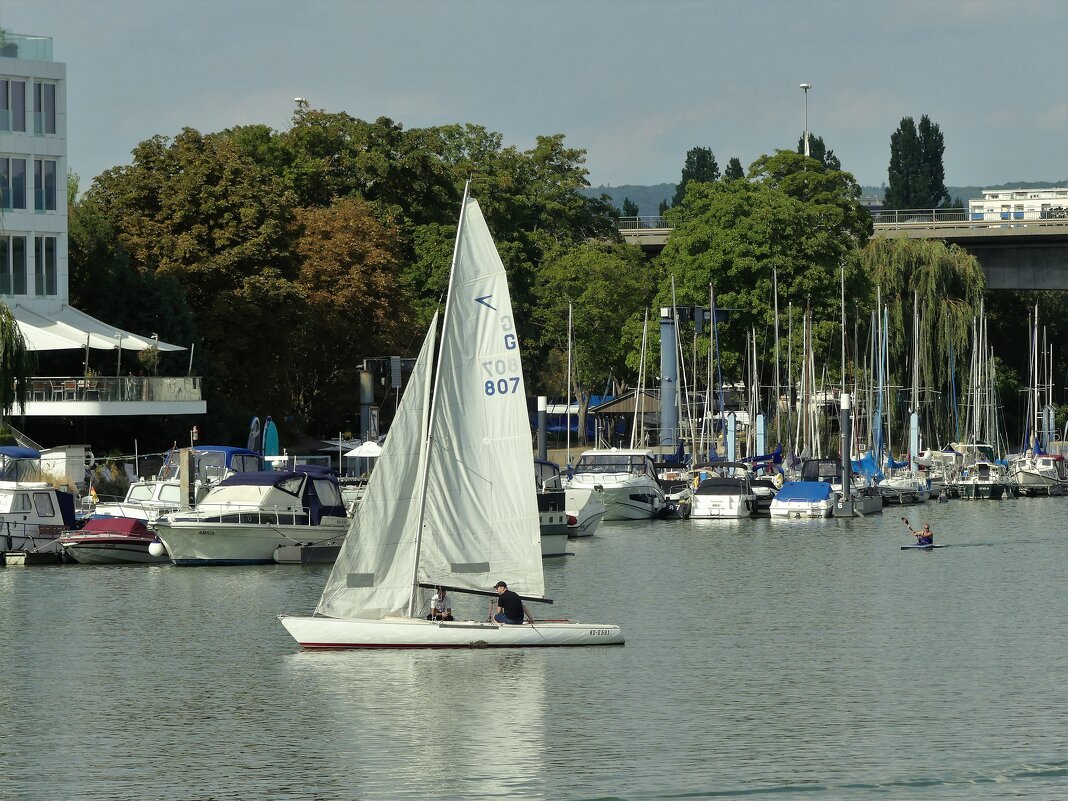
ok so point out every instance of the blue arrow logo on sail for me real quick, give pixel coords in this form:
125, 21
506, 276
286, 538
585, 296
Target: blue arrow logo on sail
483, 300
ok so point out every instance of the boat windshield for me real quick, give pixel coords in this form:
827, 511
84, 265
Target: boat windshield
140, 492
612, 463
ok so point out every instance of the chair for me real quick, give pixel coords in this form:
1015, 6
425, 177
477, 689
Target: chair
56, 390
70, 390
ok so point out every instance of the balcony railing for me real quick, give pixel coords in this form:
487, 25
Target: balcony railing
115, 388
34, 48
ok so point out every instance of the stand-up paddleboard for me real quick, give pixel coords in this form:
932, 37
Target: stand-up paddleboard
921, 547
270, 438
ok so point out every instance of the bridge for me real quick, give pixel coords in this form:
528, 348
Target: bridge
1019, 250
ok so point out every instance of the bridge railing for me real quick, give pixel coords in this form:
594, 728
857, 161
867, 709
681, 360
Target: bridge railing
650, 223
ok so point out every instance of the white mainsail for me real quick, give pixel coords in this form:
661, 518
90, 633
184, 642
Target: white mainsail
372, 576
481, 521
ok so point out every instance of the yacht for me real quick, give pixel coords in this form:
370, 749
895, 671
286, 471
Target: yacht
723, 491
1039, 474
627, 479
245, 518
552, 516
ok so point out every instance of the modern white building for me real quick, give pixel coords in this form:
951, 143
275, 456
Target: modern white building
33, 249
1020, 204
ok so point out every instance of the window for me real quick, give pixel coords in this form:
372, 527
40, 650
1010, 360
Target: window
44, 184
43, 502
12, 105
21, 503
44, 108
13, 183
12, 265
44, 256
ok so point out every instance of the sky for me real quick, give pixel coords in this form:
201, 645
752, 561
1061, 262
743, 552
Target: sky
635, 83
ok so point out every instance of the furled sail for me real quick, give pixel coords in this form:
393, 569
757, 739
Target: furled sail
481, 521
373, 574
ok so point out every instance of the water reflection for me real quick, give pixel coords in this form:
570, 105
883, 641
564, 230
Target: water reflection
412, 724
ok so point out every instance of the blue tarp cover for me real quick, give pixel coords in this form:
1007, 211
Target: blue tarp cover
867, 467
804, 491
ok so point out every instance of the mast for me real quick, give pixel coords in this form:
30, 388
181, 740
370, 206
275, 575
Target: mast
433, 403
568, 410
778, 407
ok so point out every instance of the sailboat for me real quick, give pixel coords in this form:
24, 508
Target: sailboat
450, 502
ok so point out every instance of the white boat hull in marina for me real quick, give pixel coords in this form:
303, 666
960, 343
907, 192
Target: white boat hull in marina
586, 508
328, 632
237, 544
631, 500
721, 507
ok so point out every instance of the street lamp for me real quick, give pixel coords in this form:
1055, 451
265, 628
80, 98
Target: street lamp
806, 87
302, 103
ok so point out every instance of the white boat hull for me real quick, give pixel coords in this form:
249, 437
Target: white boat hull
112, 552
801, 509
627, 499
327, 632
721, 507
587, 509
554, 544
196, 544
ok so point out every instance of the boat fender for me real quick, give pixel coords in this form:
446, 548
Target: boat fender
156, 549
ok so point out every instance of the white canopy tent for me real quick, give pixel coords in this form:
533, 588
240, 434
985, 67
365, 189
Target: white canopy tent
70, 329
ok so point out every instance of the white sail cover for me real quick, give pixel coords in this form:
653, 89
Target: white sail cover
373, 574
481, 519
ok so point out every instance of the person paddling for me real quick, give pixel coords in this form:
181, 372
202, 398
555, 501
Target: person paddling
924, 536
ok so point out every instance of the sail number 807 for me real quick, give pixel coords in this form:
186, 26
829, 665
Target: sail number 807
502, 386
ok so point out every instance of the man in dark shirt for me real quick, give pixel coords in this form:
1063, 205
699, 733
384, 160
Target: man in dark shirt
510, 607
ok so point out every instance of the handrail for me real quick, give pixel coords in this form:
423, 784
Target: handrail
886, 219
115, 388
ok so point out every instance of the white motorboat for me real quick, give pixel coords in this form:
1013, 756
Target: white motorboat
450, 502
804, 499
245, 518
552, 517
33, 516
626, 477
724, 492
585, 508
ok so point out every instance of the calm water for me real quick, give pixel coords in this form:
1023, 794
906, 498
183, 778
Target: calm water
788, 660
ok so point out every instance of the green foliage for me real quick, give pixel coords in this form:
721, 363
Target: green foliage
630, 208
734, 170
792, 216
610, 286
16, 364
916, 175
700, 166
949, 283
663, 207
818, 150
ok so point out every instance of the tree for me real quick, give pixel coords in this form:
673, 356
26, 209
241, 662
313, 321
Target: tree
700, 166
609, 285
949, 283
799, 223
630, 208
663, 207
916, 173
349, 276
819, 151
734, 170
16, 364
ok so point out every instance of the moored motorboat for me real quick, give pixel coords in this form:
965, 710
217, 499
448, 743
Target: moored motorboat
113, 540
804, 499
584, 509
33, 516
244, 518
627, 479
724, 491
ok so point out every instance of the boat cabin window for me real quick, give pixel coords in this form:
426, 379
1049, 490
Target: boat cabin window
211, 467
328, 492
43, 503
613, 463
139, 492
244, 463
291, 485
171, 493
21, 503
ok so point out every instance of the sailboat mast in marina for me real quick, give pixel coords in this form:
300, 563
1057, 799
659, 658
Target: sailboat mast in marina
452, 500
